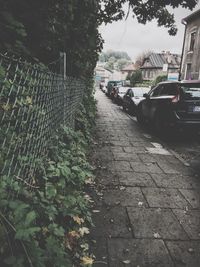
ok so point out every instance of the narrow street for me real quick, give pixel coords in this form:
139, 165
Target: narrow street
146, 200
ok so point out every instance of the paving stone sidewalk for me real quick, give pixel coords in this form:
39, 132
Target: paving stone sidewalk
146, 201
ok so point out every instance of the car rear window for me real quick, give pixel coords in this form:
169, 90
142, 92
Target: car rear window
191, 91
137, 91
168, 89
122, 90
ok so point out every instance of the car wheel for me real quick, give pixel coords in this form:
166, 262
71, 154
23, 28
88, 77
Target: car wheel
123, 107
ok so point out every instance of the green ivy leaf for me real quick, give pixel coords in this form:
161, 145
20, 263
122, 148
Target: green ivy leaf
30, 217
50, 190
26, 234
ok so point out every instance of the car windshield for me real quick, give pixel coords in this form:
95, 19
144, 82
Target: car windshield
138, 92
145, 90
122, 90
191, 91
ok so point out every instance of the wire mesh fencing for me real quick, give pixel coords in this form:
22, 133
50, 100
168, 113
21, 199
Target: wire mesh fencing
34, 102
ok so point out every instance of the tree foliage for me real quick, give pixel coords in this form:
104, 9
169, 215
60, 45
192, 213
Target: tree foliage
141, 57
115, 59
104, 56
41, 29
135, 77
158, 79
145, 11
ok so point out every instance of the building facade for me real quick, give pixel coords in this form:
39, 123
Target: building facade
160, 64
190, 67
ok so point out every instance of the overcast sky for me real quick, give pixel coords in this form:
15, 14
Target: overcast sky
134, 38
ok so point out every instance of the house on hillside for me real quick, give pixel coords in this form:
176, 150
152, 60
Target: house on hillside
160, 64
128, 70
190, 66
102, 74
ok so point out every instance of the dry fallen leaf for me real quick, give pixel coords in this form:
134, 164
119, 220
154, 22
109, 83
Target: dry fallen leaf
83, 231
126, 261
78, 220
87, 261
156, 235
191, 250
89, 181
74, 234
96, 211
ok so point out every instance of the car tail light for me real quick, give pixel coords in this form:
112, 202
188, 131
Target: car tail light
175, 98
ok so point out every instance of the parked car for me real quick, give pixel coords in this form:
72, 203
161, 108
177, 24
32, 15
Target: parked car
102, 86
111, 85
119, 94
113, 92
171, 104
132, 98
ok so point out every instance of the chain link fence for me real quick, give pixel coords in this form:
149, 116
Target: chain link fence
33, 103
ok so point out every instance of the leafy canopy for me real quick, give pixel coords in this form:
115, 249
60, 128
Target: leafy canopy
145, 10
42, 29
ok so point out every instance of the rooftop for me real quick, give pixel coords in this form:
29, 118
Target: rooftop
157, 60
192, 16
130, 67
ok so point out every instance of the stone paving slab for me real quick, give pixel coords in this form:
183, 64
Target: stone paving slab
185, 253
135, 252
99, 247
146, 167
120, 166
130, 196
175, 181
135, 149
192, 196
136, 179
165, 198
151, 223
190, 221
126, 156
111, 222
117, 149
121, 143
167, 167
106, 177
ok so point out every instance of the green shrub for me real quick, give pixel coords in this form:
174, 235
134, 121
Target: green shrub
46, 224
158, 79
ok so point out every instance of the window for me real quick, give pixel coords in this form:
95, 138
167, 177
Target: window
191, 91
169, 89
128, 92
131, 94
192, 41
137, 92
156, 91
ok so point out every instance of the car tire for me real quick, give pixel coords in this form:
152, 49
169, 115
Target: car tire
123, 107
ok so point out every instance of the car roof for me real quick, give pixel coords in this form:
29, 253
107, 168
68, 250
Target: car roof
140, 88
164, 82
181, 82
190, 81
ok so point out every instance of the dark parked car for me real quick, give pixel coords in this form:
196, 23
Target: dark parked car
133, 97
171, 104
112, 85
119, 94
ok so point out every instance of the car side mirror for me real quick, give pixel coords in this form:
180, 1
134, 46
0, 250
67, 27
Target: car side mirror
146, 95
